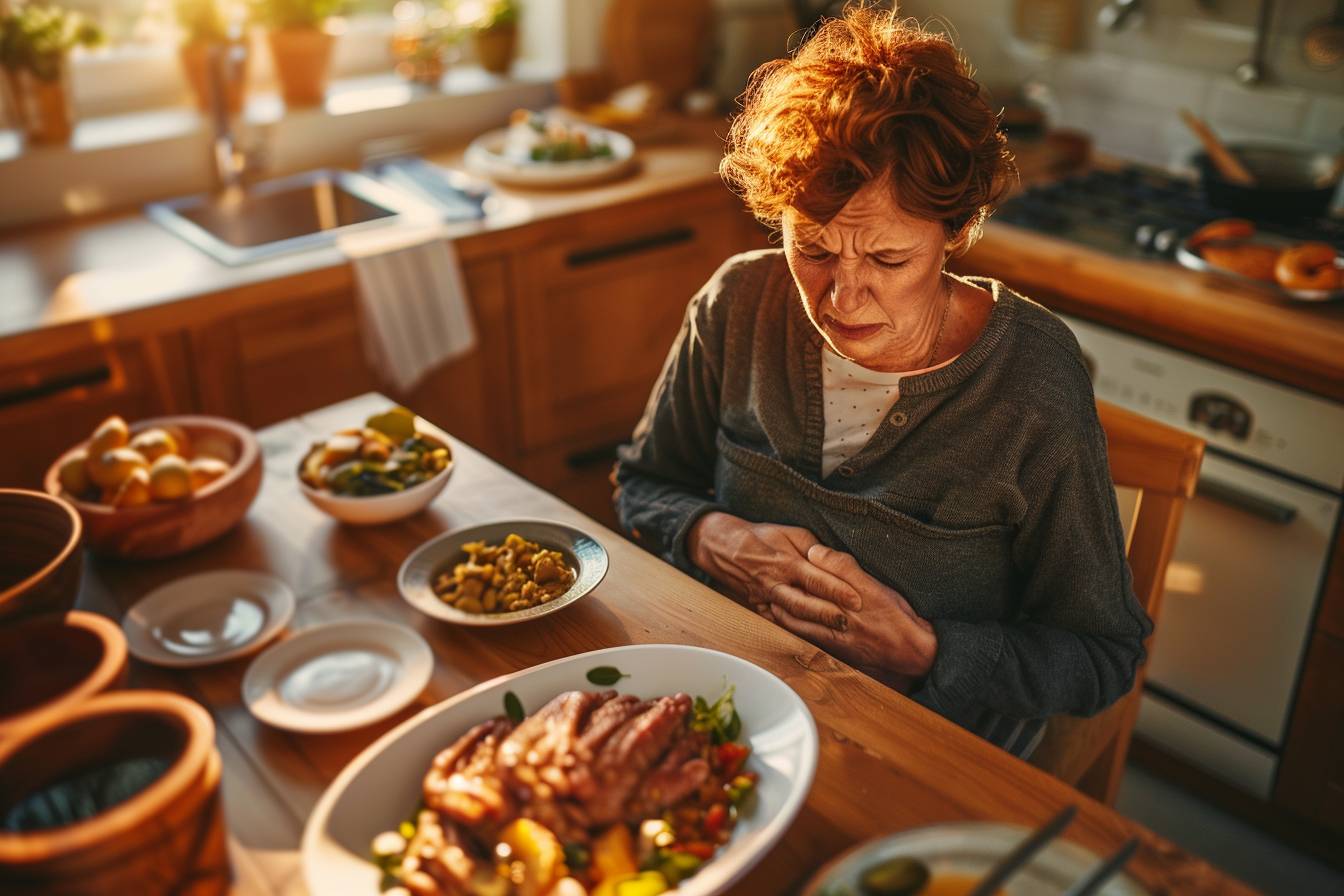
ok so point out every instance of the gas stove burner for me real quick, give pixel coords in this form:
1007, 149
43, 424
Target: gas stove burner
1136, 212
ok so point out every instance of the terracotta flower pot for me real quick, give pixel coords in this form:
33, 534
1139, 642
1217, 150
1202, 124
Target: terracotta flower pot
495, 48
195, 59
167, 833
302, 62
50, 663
44, 109
40, 557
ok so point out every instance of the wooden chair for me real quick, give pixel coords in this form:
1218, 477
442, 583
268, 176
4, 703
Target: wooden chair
1162, 464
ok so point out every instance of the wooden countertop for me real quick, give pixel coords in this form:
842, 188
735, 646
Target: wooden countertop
886, 763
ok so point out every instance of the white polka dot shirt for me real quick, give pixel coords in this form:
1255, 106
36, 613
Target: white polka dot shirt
856, 401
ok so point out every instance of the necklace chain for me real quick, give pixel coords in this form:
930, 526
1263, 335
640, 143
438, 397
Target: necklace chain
942, 323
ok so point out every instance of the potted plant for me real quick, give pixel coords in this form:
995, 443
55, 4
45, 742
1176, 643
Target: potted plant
35, 44
495, 35
203, 27
300, 45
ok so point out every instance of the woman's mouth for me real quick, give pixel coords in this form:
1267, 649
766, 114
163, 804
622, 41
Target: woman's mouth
844, 331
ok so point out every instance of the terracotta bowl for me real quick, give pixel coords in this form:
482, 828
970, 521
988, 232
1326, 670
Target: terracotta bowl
40, 559
53, 662
166, 835
165, 529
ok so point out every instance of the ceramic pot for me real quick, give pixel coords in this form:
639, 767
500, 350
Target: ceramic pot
495, 48
50, 663
195, 58
302, 63
167, 833
45, 111
40, 557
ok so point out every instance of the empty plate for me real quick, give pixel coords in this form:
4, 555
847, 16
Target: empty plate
208, 618
339, 676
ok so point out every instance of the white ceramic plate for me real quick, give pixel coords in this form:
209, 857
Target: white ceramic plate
374, 510
208, 618
971, 849
485, 157
383, 785
583, 553
339, 676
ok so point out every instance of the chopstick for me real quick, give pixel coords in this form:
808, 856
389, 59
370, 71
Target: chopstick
1104, 871
1023, 853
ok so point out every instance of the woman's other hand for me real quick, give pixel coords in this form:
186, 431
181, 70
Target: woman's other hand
883, 635
755, 561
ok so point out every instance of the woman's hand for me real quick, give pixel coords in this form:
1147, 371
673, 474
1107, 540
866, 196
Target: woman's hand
883, 635
756, 561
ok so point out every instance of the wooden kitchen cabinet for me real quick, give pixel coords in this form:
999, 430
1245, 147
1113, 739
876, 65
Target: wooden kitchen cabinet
48, 404
1311, 776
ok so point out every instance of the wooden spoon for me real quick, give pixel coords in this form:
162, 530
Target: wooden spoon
1228, 165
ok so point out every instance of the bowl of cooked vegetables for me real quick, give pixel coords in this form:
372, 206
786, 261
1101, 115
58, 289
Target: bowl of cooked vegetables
388, 469
502, 573
550, 151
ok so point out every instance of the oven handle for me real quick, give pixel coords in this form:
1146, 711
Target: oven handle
1242, 499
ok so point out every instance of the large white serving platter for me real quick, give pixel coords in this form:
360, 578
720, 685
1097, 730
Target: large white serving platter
970, 849
485, 156
382, 785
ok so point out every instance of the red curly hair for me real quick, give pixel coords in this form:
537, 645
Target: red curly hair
870, 95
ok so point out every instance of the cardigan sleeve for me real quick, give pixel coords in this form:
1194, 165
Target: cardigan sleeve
665, 476
1077, 642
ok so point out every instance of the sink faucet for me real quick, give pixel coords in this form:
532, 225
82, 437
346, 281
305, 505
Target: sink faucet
224, 74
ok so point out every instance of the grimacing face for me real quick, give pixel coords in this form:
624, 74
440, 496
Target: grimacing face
870, 278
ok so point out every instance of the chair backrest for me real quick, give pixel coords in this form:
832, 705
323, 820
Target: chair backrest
1162, 465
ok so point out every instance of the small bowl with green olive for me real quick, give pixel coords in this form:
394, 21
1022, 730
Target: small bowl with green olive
388, 469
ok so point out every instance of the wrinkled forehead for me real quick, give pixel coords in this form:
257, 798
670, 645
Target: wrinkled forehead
872, 217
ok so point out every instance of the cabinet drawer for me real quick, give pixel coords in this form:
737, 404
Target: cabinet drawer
597, 313
48, 405
578, 472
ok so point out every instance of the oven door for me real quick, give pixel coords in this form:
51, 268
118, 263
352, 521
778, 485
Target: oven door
1241, 594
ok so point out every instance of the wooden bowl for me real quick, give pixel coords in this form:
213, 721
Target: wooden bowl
165, 529
40, 559
166, 836
49, 663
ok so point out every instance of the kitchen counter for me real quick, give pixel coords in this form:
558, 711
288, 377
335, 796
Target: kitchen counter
886, 764
125, 276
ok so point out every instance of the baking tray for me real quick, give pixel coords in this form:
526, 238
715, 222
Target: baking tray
1191, 259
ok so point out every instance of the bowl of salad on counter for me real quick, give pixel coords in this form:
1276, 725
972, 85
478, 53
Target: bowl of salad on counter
540, 150
388, 469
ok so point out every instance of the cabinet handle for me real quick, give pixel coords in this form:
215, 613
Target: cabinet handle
674, 237
599, 456
1241, 499
56, 385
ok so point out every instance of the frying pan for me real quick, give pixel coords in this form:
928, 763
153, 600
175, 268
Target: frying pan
1290, 183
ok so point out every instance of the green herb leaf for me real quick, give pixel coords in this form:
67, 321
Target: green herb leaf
718, 719
605, 676
513, 708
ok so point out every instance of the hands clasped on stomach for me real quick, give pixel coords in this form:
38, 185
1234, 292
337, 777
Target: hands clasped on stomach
817, 593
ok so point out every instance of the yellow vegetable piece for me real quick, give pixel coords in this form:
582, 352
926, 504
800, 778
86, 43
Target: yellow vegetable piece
205, 470
614, 853
169, 479
111, 433
154, 444
398, 424
540, 854
111, 468
646, 883
134, 492
74, 475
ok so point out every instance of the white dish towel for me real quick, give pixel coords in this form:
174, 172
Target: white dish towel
412, 299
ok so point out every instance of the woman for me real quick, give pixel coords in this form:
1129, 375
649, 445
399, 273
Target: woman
902, 466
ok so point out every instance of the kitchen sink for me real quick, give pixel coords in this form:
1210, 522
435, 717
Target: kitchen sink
287, 214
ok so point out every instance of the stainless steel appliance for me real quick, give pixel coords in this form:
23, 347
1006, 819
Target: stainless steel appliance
1246, 575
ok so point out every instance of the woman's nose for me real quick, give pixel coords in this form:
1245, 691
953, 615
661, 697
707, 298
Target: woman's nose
847, 290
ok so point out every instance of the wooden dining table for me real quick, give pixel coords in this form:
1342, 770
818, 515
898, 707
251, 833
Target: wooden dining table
886, 764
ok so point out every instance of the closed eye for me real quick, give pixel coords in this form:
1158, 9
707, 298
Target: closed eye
889, 263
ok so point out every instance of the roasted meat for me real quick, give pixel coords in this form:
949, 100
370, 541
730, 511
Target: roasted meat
464, 783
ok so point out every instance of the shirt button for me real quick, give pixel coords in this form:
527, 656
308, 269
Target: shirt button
899, 419
846, 470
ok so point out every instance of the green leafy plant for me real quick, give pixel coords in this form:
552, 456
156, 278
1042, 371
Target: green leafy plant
495, 14
201, 21
294, 13
37, 38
